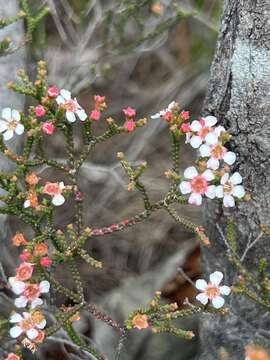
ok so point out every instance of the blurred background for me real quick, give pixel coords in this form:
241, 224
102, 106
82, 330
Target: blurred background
142, 54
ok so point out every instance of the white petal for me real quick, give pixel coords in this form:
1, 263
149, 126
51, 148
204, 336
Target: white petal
16, 115
218, 302
60, 100
195, 126
219, 191
224, 179
185, 187
202, 298
32, 334
156, 116
41, 325
171, 105
26, 204
205, 150
195, 199
229, 158
216, 277
21, 302
8, 135
66, 94
81, 114
36, 302
236, 178
44, 286
18, 287
211, 192
190, 172
70, 116
58, 200
201, 284
208, 175
228, 201
61, 185
195, 142
238, 191
225, 290
15, 318
15, 331
6, 113
19, 129
219, 129
211, 138
213, 164
210, 121
3, 125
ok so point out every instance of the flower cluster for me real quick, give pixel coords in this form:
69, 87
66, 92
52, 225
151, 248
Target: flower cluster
211, 177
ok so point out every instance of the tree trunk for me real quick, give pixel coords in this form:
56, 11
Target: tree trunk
239, 96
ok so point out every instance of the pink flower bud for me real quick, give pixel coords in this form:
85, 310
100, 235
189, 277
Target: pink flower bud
168, 116
25, 256
129, 112
185, 128
185, 115
48, 128
45, 262
95, 115
99, 99
130, 125
40, 111
53, 92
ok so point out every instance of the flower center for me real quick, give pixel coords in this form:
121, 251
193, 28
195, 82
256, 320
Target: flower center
227, 188
12, 125
31, 292
218, 151
199, 184
71, 105
26, 324
212, 291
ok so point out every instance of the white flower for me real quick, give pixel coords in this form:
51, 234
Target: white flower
212, 291
11, 123
55, 191
71, 106
29, 293
230, 188
26, 323
197, 185
202, 131
163, 112
216, 153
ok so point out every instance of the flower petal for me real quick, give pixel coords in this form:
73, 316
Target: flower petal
201, 284
15, 318
216, 277
36, 302
41, 325
58, 200
21, 302
219, 191
225, 290
15, 115
218, 302
205, 150
44, 286
171, 105
224, 179
8, 135
32, 334
81, 114
15, 332
185, 187
60, 100
213, 163
211, 138
6, 113
229, 158
190, 172
18, 287
228, 201
208, 175
202, 298
3, 125
236, 178
195, 126
65, 94
211, 192
70, 116
238, 191
19, 129
210, 120
195, 199
195, 141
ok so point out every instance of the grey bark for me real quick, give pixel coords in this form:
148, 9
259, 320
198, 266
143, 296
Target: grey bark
238, 95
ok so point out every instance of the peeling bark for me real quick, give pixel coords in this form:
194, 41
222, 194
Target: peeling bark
239, 96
